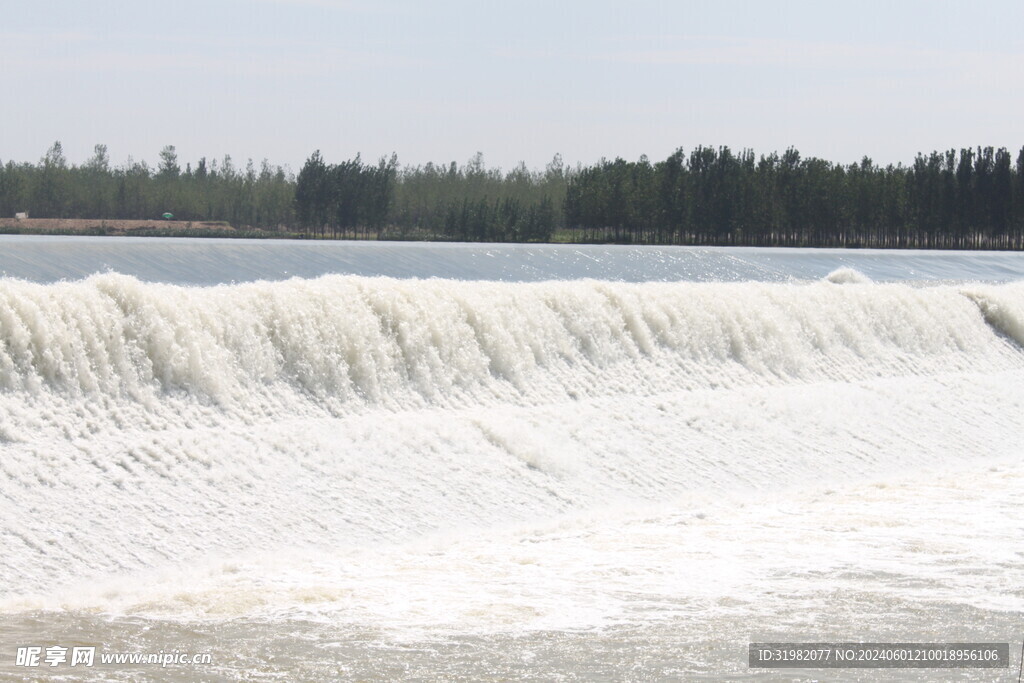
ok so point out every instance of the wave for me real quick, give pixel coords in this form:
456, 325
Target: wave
847, 276
1002, 307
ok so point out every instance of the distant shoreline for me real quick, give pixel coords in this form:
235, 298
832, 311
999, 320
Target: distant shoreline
128, 227
954, 200
159, 227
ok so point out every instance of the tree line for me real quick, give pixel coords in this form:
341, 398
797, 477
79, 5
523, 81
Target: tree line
967, 198
440, 202
971, 198
209, 191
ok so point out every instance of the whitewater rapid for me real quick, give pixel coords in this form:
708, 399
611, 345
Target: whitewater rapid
157, 428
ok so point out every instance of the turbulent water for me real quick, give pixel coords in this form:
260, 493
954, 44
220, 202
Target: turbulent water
370, 477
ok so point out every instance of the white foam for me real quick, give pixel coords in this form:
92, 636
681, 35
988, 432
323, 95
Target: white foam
847, 276
146, 426
407, 343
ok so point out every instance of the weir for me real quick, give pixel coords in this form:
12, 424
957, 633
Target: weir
146, 425
345, 340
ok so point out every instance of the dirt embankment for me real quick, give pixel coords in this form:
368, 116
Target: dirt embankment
94, 226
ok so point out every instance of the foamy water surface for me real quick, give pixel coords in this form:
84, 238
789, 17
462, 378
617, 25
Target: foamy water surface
547, 473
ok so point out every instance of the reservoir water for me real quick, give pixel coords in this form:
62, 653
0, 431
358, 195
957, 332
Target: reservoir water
333, 461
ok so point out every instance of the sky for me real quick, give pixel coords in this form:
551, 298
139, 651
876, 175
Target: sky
519, 80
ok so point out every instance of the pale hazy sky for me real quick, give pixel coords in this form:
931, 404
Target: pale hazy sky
518, 80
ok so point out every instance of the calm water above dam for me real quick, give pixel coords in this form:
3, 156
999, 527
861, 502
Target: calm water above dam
215, 261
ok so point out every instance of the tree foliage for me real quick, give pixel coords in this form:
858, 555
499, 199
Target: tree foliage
209, 191
967, 198
971, 198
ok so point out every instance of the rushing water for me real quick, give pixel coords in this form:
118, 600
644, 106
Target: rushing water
504, 470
